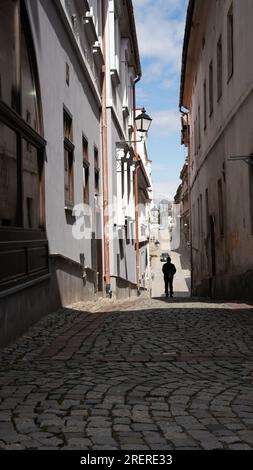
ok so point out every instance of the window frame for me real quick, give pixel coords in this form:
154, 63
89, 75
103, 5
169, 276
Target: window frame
86, 171
205, 104
96, 171
230, 43
219, 69
210, 88
69, 161
221, 208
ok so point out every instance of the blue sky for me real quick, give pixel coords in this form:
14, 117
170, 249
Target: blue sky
160, 29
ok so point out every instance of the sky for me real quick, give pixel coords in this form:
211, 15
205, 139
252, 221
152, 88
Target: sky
160, 29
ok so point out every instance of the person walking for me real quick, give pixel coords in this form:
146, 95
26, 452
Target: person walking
169, 271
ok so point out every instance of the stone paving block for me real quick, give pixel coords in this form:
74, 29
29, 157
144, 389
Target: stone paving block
51, 442
246, 436
211, 445
79, 443
154, 401
240, 446
5, 417
14, 447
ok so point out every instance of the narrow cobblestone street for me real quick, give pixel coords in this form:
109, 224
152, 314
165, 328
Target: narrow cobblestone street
138, 374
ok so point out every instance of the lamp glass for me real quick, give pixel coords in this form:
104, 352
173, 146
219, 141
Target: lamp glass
143, 122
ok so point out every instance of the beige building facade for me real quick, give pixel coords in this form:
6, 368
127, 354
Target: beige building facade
217, 100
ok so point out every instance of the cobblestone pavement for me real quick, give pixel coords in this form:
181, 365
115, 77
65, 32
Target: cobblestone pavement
138, 374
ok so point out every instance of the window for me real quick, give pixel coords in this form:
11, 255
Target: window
29, 100
230, 42
95, 5
9, 45
32, 187
251, 194
207, 212
193, 221
117, 44
195, 138
96, 171
221, 207
9, 190
67, 73
86, 172
68, 160
211, 88
205, 107
21, 153
199, 208
199, 128
201, 217
219, 69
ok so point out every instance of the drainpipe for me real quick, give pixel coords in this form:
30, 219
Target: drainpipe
105, 163
136, 192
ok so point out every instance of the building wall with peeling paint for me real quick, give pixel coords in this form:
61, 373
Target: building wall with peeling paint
221, 126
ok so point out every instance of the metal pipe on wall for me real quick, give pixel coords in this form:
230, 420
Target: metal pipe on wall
105, 163
136, 193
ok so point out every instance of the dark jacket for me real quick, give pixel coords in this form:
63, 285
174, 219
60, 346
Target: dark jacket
168, 270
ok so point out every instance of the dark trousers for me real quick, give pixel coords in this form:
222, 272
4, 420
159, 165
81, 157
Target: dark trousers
168, 283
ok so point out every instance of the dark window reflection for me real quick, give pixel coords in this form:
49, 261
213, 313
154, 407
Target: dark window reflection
8, 177
28, 88
9, 52
31, 186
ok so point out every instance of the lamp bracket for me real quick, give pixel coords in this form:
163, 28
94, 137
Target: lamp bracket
245, 158
121, 143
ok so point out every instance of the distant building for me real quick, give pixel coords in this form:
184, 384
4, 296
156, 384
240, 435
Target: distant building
182, 199
217, 90
154, 215
145, 193
164, 212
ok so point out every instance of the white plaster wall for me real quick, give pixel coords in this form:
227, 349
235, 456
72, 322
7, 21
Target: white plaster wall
229, 132
53, 50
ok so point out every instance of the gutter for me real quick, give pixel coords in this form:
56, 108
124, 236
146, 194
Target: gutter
187, 35
137, 166
105, 164
136, 190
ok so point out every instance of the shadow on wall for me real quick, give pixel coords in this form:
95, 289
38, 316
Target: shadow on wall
64, 285
185, 259
20, 310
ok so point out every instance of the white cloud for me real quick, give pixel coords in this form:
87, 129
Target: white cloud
165, 123
167, 84
160, 30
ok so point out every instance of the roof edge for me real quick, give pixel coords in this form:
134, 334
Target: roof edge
187, 35
134, 34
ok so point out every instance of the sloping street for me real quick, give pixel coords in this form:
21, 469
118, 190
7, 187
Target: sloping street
137, 374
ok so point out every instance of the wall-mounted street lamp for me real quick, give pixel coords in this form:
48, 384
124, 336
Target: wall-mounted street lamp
143, 122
